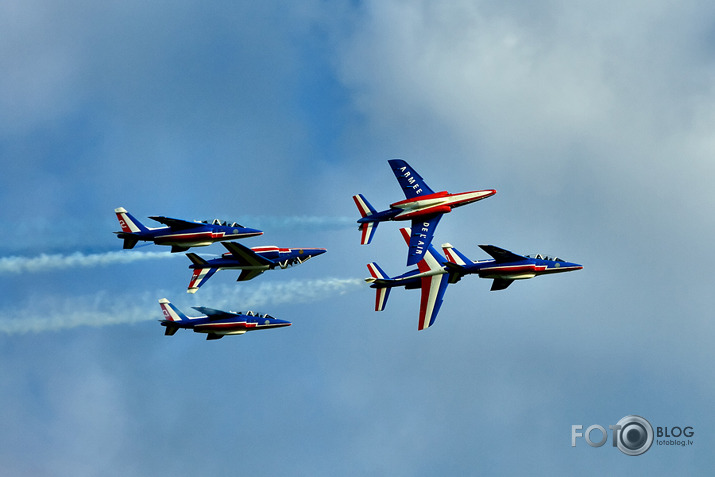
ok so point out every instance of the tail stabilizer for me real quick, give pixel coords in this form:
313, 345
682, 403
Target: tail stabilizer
364, 206
368, 232
381, 292
196, 260
171, 313
377, 272
199, 277
128, 223
454, 255
367, 228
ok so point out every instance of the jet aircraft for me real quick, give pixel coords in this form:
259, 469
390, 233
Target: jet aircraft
422, 206
216, 323
435, 272
180, 234
251, 261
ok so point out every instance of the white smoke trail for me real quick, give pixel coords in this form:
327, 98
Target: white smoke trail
306, 222
44, 262
104, 308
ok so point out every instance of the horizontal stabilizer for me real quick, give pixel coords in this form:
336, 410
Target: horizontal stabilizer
170, 330
196, 260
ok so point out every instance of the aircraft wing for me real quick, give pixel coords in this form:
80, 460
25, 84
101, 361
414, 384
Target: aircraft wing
421, 238
213, 314
411, 182
178, 224
245, 256
248, 275
433, 288
500, 255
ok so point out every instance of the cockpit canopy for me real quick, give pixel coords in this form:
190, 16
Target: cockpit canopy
257, 315
224, 223
540, 256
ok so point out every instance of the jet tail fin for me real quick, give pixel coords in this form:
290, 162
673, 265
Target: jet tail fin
381, 292
128, 223
171, 313
454, 255
364, 206
199, 277
367, 228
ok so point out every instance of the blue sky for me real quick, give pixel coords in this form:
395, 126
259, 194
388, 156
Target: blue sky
593, 121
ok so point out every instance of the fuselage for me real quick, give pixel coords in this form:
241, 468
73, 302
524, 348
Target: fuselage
201, 235
427, 205
519, 270
281, 257
237, 325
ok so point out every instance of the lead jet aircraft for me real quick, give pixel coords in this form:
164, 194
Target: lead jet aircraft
216, 323
180, 234
422, 206
251, 261
435, 272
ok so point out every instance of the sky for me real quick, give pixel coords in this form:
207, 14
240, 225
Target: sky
592, 120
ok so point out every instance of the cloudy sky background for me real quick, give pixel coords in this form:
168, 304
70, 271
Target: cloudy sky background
593, 120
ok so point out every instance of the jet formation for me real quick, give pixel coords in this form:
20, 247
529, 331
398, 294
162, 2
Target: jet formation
182, 235
422, 206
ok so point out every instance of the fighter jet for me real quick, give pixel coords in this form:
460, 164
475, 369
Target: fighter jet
180, 234
422, 206
216, 323
251, 261
435, 272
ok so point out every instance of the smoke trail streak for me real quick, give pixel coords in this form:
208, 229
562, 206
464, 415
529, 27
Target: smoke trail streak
105, 308
299, 222
44, 262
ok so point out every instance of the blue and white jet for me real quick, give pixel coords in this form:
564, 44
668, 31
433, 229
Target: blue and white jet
422, 206
216, 323
251, 261
180, 234
435, 272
